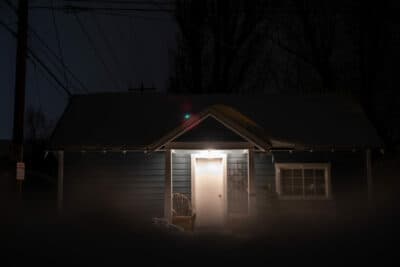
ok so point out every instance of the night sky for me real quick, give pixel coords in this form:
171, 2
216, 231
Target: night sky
140, 43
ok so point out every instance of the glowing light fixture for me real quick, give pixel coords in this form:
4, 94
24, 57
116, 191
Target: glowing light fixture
187, 116
210, 153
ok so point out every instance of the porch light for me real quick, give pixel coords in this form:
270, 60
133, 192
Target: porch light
210, 153
187, 116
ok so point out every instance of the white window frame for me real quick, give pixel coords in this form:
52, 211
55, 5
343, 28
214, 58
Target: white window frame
324, 166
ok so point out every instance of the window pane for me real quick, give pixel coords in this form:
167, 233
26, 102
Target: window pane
286, 173
308, 173
297, 186
297, 172
320, 173
287, 181
297, 182
320, 186
309, 184
286, 185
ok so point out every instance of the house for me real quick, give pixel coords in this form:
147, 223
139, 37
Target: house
235, 157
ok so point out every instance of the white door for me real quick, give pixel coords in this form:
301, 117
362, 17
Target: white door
209, 193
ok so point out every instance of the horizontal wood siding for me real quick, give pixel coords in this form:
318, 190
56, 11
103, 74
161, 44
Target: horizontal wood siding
181, 173
134, 182
347, 169
130, 183
348, 185
264, 172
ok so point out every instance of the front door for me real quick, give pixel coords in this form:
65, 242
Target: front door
209, 191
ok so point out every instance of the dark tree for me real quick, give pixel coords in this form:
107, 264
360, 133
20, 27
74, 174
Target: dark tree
288, 46
219, 46
38, 126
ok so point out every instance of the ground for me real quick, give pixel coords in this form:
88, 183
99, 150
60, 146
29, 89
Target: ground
37, 236
106, 240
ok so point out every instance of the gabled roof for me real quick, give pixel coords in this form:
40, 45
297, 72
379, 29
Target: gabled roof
230, 118
141, 121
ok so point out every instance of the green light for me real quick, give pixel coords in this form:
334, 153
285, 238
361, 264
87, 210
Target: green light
187, 116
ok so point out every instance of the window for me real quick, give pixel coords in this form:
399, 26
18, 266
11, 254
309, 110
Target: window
303, 181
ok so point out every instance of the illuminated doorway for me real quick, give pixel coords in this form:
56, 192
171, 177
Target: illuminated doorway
209, 194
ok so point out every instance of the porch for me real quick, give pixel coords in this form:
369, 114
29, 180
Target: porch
218, 185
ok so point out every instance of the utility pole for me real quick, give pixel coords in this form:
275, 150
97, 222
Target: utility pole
19, 99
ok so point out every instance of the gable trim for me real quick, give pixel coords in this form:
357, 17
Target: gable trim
242, 133
189, 125
208, 145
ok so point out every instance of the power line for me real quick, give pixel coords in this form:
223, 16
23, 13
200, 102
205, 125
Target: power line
14, 8
41, 63
47, 79
38, 60
92, 43
52, 52
131, 32
75, 8
122, 2
44, 43
59, 43
37, 87
119, 14
106, 41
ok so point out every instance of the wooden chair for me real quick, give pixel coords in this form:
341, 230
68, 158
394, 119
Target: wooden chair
182, 214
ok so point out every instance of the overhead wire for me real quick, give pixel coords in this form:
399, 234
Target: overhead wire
107, 42
54, 55
59, 44
74, 9
127, 2
94, 48
37, 86
32, 55
49, 80
131, 40
119, 14
81, 8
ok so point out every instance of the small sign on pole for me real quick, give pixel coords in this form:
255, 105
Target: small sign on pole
20, 171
